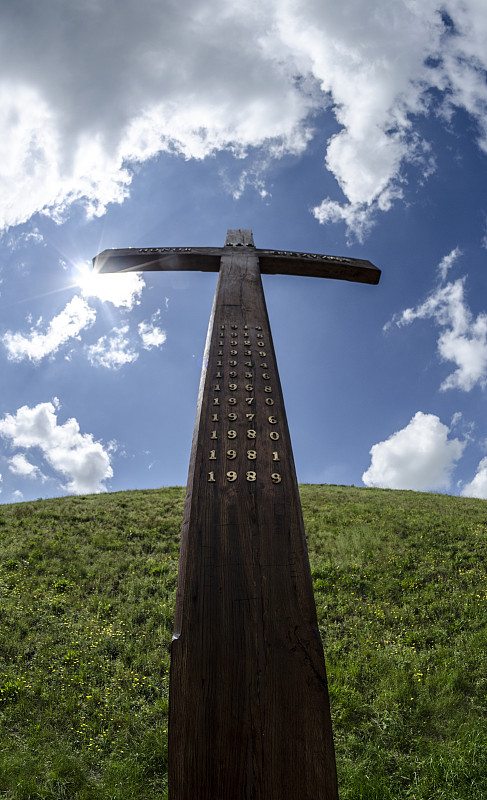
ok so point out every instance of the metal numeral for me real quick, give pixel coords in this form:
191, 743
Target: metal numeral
251, 475
231, 454
275, 477
231, 476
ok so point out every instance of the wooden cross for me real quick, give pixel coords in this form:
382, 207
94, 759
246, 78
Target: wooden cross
249, 715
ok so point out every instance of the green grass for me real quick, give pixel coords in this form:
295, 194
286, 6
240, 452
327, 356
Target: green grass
86, 605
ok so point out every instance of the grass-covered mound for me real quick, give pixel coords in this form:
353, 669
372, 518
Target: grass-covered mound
86, 604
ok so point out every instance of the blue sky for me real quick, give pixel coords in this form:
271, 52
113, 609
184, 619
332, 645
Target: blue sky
354, 129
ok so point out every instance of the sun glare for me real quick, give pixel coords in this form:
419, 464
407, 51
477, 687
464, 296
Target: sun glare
122, 289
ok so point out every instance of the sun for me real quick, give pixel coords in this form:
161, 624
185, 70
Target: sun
120, 289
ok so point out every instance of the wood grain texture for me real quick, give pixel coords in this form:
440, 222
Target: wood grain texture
207, 259
249, 712
249, 716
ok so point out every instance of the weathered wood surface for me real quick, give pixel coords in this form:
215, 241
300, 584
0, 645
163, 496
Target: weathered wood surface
207, 259
249, 713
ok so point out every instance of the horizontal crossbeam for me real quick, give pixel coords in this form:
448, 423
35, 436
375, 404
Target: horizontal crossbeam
207, 259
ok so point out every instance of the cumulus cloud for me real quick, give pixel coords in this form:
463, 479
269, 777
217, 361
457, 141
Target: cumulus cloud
19, 465
35, 345
82, 462
165, 81
419, 457
462, 338
150, 333
478, 486
112, 351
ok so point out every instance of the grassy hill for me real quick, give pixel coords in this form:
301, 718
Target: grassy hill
86, 603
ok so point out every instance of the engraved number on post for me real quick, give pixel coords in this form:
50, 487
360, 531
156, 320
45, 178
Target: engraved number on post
251, 455
232, 387
251, 475
213, 435
212, 455
232, 416
249, 400
232, 434
251, 434
275, 477
267, 389
231, 476
231, 454
269, 401
272, 420
211, 477
262, 354
275, 456
232, 401
249, 387
274, 436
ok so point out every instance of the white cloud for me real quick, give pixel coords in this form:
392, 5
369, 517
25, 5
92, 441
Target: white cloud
122, 290
17, 496
35, 345
150, 333
113, 351
19, 465
462, 338
83, 462
166, 81
419, 457
15, 242
447, 262
478, 486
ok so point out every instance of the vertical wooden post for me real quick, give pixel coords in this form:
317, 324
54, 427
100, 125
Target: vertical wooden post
249, 715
